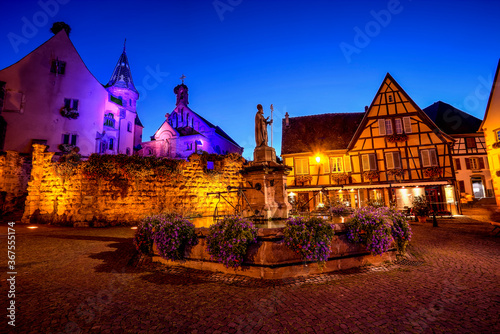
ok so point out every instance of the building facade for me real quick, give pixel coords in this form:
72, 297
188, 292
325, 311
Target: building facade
185, 132
491, 129
51, 98
469, 151
389, 154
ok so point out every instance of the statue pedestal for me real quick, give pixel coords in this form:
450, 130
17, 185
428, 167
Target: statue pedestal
264, 153
267, 197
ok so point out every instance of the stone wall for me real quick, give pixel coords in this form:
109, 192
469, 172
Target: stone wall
14, 176
57, 197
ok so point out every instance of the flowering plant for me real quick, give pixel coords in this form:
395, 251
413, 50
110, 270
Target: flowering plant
172, 234
420, 206
371, 227
339, 177
228, 240
69, 113
304, 178
400, 229
340, 210
496, 145
397, 138
309, 237
432, 171
371, 174
66, 148
396, 172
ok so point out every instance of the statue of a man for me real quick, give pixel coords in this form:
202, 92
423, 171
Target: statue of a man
261, 127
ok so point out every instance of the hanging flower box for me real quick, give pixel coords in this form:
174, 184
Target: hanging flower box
302, 179
397, 172
498, 173
370, 175
496, 145
340, 177
69, 113
65, 148
397, 138
432, 172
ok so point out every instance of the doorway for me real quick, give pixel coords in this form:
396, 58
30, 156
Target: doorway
477, 187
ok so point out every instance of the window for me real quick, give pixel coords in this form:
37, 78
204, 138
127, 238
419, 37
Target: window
127, 151
69, 139
111, 144
390, 98
429, 158
388, 127
369, 162
336, 165
115, 100
470, 142
58, 67
474, 163
189, 146
399, 126
109, 120
461, 186
392, 160
498, 135
457, 164
301, 166
129, 127
71, 104
407, 124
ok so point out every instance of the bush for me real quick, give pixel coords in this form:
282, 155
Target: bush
309, 237
228, 240
420, 206
400, 229
171, 233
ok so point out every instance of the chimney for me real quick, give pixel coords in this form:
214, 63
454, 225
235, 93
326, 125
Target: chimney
366, 108
287, 120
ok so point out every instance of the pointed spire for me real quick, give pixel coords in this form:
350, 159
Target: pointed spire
122, 76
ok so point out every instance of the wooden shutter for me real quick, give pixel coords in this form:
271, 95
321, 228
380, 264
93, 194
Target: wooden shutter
407, 124
347, 162
457, 164
397, 160
461, 186
373, 162
481, 163
366, 162
426, 162
381, 127
467, 163
433, 156
389, 160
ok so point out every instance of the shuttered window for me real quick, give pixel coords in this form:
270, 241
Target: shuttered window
301, 166
369, 162
347, 164
337, 166
429, 158
407, 124
392, 160
461, 185
399, 126
474, 163
388, 127
457, 164
470, 142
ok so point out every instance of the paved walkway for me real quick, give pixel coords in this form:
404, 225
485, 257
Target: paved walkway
80, 280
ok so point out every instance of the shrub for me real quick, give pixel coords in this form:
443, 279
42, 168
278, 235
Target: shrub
420, 206
228, 240
400, 229
340, 210
309, 237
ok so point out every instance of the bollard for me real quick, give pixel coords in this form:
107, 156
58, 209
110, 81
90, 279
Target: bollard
434, 220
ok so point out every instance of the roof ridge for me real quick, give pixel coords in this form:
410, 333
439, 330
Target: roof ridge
337, 113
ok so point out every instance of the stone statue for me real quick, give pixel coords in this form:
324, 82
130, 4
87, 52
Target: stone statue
261, 127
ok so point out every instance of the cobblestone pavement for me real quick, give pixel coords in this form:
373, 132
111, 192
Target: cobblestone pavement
81, 280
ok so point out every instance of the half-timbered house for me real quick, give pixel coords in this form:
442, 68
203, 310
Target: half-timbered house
389, 154
469, 152
491, 129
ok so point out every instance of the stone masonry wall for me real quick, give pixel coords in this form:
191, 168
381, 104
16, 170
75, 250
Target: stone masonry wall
78, 200
14, 177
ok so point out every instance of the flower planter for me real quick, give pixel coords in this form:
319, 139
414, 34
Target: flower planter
422, 219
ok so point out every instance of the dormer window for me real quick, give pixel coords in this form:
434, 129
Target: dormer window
58, 66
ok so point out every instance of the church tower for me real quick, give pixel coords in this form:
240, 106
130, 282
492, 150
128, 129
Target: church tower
124, 128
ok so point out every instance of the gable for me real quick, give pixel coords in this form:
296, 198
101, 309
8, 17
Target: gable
491, 117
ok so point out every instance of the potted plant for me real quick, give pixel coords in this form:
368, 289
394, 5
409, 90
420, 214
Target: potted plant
421, 208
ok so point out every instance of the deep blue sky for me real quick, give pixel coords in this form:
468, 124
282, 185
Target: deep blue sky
283, 52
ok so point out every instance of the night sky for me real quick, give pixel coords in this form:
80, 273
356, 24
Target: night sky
305, 57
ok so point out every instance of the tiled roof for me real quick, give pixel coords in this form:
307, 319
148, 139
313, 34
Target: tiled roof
319, 132
122, 76
452, 120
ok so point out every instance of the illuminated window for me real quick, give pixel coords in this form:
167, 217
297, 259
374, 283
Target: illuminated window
336, 164
392, 160
58, 67
429, 158
369, 162
301, 166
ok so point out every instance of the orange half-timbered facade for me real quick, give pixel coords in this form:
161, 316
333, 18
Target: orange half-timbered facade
389, 154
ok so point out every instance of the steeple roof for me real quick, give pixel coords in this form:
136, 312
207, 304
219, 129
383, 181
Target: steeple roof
122, 76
